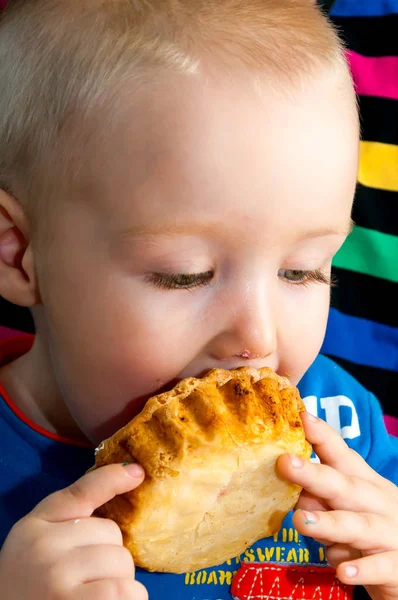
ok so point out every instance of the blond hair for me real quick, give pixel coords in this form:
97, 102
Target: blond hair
63, 60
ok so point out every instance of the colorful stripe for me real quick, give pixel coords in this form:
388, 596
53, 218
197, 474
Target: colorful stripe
364, 8
378, 166
370, 37
6, 333
376, 209
15, 317
391, 425
370, 252
378, 297
375, 76
379, 119
380, 382
361, 341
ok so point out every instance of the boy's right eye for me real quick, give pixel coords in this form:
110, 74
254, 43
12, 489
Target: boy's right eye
180, 281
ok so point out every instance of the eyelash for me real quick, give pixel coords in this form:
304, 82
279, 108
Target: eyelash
190, 281
180, 281
308, 277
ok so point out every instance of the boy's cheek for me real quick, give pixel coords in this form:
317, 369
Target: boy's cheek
302, 328
106, 384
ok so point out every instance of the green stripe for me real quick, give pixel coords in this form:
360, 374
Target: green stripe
370, 252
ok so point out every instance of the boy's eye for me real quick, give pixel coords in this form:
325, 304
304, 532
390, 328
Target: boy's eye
180, 281
297, 277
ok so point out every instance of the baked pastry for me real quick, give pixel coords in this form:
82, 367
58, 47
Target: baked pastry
209, 448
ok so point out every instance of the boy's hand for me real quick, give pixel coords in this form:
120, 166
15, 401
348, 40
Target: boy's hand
60, 552
354, 511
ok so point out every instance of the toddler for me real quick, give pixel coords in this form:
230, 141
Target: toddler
176, 177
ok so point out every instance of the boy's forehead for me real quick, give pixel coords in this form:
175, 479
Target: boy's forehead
171, 114
181, 147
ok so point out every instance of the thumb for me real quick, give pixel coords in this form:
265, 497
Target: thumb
91, 491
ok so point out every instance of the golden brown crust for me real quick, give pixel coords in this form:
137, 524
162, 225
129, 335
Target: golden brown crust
209, 449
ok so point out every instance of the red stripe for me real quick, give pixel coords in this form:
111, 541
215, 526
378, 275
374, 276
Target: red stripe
375, 76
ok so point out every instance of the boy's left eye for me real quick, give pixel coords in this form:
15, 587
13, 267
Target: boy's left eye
298, 277
180, 281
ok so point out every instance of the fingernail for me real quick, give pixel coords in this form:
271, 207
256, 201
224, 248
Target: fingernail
310, 518
296, 462
133, 470
351, 571
311, 417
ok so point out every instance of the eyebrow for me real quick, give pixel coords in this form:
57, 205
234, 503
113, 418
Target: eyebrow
170, 229
167, 229
324, 232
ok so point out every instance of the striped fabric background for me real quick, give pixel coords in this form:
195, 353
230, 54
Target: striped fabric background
363, 326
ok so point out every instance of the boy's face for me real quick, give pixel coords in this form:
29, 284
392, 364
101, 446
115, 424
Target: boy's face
216, 207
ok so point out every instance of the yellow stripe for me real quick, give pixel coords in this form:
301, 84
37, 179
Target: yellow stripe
378, 166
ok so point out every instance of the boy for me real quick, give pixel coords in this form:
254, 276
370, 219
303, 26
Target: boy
176, 177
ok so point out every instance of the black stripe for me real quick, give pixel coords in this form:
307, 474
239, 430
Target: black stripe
326, 4
376, 209
382, 383
371, 36
366, 297
379, 122
15, 317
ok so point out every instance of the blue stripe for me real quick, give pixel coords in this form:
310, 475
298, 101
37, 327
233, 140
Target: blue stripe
360, 341
364, 8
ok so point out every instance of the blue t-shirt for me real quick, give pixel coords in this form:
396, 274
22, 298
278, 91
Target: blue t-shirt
33, 466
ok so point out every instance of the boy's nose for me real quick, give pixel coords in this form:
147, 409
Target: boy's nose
250, 334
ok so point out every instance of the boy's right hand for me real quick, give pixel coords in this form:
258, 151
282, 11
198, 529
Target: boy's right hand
60, 552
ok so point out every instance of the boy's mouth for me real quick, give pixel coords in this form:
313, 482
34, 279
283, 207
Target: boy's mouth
169, 385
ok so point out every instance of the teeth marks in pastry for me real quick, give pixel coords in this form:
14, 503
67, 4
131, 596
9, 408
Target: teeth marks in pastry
209, 449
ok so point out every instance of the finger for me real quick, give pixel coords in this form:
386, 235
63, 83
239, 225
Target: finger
333, 451
310, 502
375, 569
94, 563
363, 531
111, 589
90, 492
85, 532
338, 553
342, 492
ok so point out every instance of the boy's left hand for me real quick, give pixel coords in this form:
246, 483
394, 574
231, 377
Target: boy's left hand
348, 507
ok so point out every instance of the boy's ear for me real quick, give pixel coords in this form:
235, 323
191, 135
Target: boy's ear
18, 282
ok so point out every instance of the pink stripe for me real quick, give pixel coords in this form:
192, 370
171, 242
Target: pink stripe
375, 76
6, 333
392, 425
